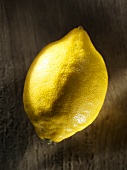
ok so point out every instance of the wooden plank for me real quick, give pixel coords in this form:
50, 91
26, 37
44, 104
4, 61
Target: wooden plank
25, 28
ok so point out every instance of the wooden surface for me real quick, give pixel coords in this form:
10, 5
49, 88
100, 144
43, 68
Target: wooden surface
26, 26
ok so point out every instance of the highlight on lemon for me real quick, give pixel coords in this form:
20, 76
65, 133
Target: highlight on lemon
65, 86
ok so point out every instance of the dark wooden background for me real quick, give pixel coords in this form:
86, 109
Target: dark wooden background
26, 26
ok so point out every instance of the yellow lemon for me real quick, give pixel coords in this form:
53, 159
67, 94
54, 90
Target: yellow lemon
65, 86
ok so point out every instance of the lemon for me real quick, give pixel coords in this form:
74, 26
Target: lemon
65, 86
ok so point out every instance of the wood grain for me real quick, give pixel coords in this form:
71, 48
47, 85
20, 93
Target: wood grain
25, 28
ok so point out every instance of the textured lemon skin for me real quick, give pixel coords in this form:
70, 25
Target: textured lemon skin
65, 86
